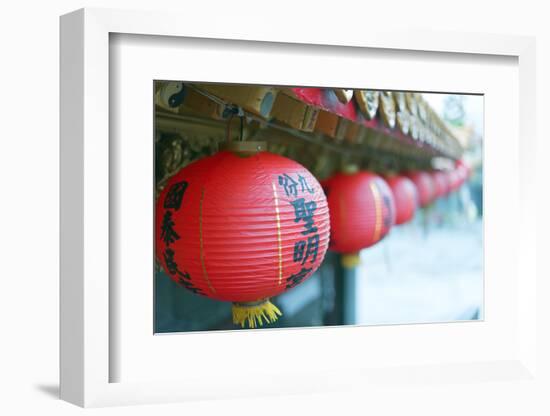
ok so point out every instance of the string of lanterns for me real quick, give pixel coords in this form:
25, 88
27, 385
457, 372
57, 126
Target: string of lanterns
245, 225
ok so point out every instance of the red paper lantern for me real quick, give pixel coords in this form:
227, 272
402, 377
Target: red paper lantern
405, 197
458, 177
441, 183
453, 177
460, 174
362, 211
463, 170
242, 229
464, 166
424, 185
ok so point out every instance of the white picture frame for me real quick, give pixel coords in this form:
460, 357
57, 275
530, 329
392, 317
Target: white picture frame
87, 167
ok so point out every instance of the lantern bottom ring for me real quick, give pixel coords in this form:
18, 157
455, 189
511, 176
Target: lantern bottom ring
350, 260
255, 314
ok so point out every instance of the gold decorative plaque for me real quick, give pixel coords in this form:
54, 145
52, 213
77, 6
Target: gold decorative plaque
344, 96
367, 100
387, 108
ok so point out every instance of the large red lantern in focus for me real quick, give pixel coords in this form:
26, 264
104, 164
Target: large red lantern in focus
362, 211
405, 197
424, 185
242, 228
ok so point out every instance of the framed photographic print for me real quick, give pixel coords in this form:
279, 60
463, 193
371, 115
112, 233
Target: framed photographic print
264, 226
282, 207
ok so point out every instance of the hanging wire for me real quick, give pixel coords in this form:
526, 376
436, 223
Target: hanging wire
229, 112
242, 128
279, 127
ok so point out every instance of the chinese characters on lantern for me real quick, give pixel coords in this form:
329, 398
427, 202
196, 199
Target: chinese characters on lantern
305, 251
175, 195
290, 186
167, 233
172, 202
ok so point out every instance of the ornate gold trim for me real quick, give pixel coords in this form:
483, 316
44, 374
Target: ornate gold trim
412, 105
387, 108
343, 95
368, 102
403, 122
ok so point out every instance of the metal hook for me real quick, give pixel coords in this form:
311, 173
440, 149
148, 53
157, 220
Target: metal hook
229, 112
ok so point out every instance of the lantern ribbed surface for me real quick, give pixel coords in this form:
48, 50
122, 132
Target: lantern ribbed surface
242, 229
362, 210
424, 185
405, 197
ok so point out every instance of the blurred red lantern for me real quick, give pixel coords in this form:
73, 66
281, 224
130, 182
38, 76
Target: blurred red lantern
453, 178
464, 167
242, 228
405, 197
424, 185
461, 173
458, 176
464, 171
441, 183
362, 211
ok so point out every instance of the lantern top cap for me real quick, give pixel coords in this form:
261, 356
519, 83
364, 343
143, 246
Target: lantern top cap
244, 148
350, 169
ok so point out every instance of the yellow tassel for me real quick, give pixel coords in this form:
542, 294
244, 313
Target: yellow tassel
255, 313
350, 261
